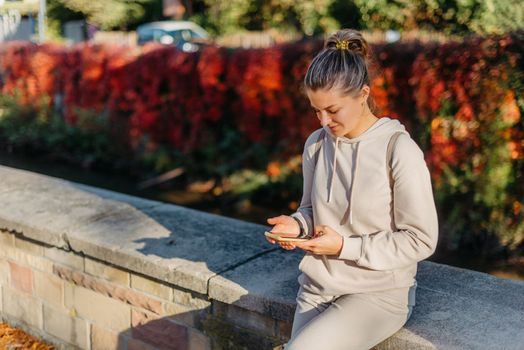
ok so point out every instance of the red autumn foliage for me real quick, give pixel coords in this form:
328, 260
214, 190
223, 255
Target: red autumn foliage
459, 100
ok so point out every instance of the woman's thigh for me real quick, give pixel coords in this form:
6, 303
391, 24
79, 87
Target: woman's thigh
354, 322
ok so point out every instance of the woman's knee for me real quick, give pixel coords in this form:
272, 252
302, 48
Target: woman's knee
309, 306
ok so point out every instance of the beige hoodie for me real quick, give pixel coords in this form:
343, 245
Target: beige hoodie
382, 241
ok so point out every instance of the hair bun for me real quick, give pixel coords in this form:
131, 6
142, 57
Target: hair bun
348, 39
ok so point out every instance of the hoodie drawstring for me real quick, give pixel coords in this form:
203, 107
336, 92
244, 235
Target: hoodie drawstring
353, 181
334, 170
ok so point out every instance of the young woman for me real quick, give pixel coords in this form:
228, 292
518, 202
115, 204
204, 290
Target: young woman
369, 222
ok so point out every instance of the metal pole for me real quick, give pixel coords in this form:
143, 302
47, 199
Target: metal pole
41, 21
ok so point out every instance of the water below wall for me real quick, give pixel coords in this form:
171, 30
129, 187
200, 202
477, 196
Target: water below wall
203, 200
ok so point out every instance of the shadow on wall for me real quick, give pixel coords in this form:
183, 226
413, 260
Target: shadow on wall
164, 333
212, 328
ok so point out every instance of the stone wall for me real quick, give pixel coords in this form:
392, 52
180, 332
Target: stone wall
87, 268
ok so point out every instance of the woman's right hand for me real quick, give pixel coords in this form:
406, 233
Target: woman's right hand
287, 227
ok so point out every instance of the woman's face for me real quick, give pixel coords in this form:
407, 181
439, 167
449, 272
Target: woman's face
341, 113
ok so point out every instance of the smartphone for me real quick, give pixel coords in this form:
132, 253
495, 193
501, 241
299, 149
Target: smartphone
277, 237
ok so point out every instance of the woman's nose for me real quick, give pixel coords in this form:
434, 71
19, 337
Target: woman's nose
324, 120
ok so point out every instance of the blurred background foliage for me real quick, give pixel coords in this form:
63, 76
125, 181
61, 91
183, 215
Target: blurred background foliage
124, 14
309, 17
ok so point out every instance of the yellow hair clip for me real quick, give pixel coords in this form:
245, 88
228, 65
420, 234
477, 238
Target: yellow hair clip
342, 45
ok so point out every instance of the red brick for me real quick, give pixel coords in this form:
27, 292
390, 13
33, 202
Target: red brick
21, 277
162, 333
139, 318
108, 289
138, 299
134, 344
198, 340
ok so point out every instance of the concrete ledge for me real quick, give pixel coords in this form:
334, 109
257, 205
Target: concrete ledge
229, 261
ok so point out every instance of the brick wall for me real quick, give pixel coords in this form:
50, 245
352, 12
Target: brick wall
75, 301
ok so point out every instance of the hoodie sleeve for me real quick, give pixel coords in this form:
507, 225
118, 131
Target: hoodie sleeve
304, 212
414, 213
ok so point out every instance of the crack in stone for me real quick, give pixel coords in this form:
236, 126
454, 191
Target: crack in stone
9, 230
67, 245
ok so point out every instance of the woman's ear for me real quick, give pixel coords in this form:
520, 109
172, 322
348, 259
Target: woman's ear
364, 93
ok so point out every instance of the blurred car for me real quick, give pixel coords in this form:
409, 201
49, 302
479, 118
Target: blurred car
185, 35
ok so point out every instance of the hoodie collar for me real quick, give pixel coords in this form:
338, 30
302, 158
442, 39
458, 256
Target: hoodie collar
382, 126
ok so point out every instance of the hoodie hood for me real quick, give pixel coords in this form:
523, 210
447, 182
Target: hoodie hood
381, 128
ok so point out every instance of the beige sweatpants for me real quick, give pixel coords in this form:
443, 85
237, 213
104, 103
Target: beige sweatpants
350, 321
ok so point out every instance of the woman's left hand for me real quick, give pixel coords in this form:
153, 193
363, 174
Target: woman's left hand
326, 241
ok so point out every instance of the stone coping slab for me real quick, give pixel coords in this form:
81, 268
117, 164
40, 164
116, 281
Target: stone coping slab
230, 261
174, 244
